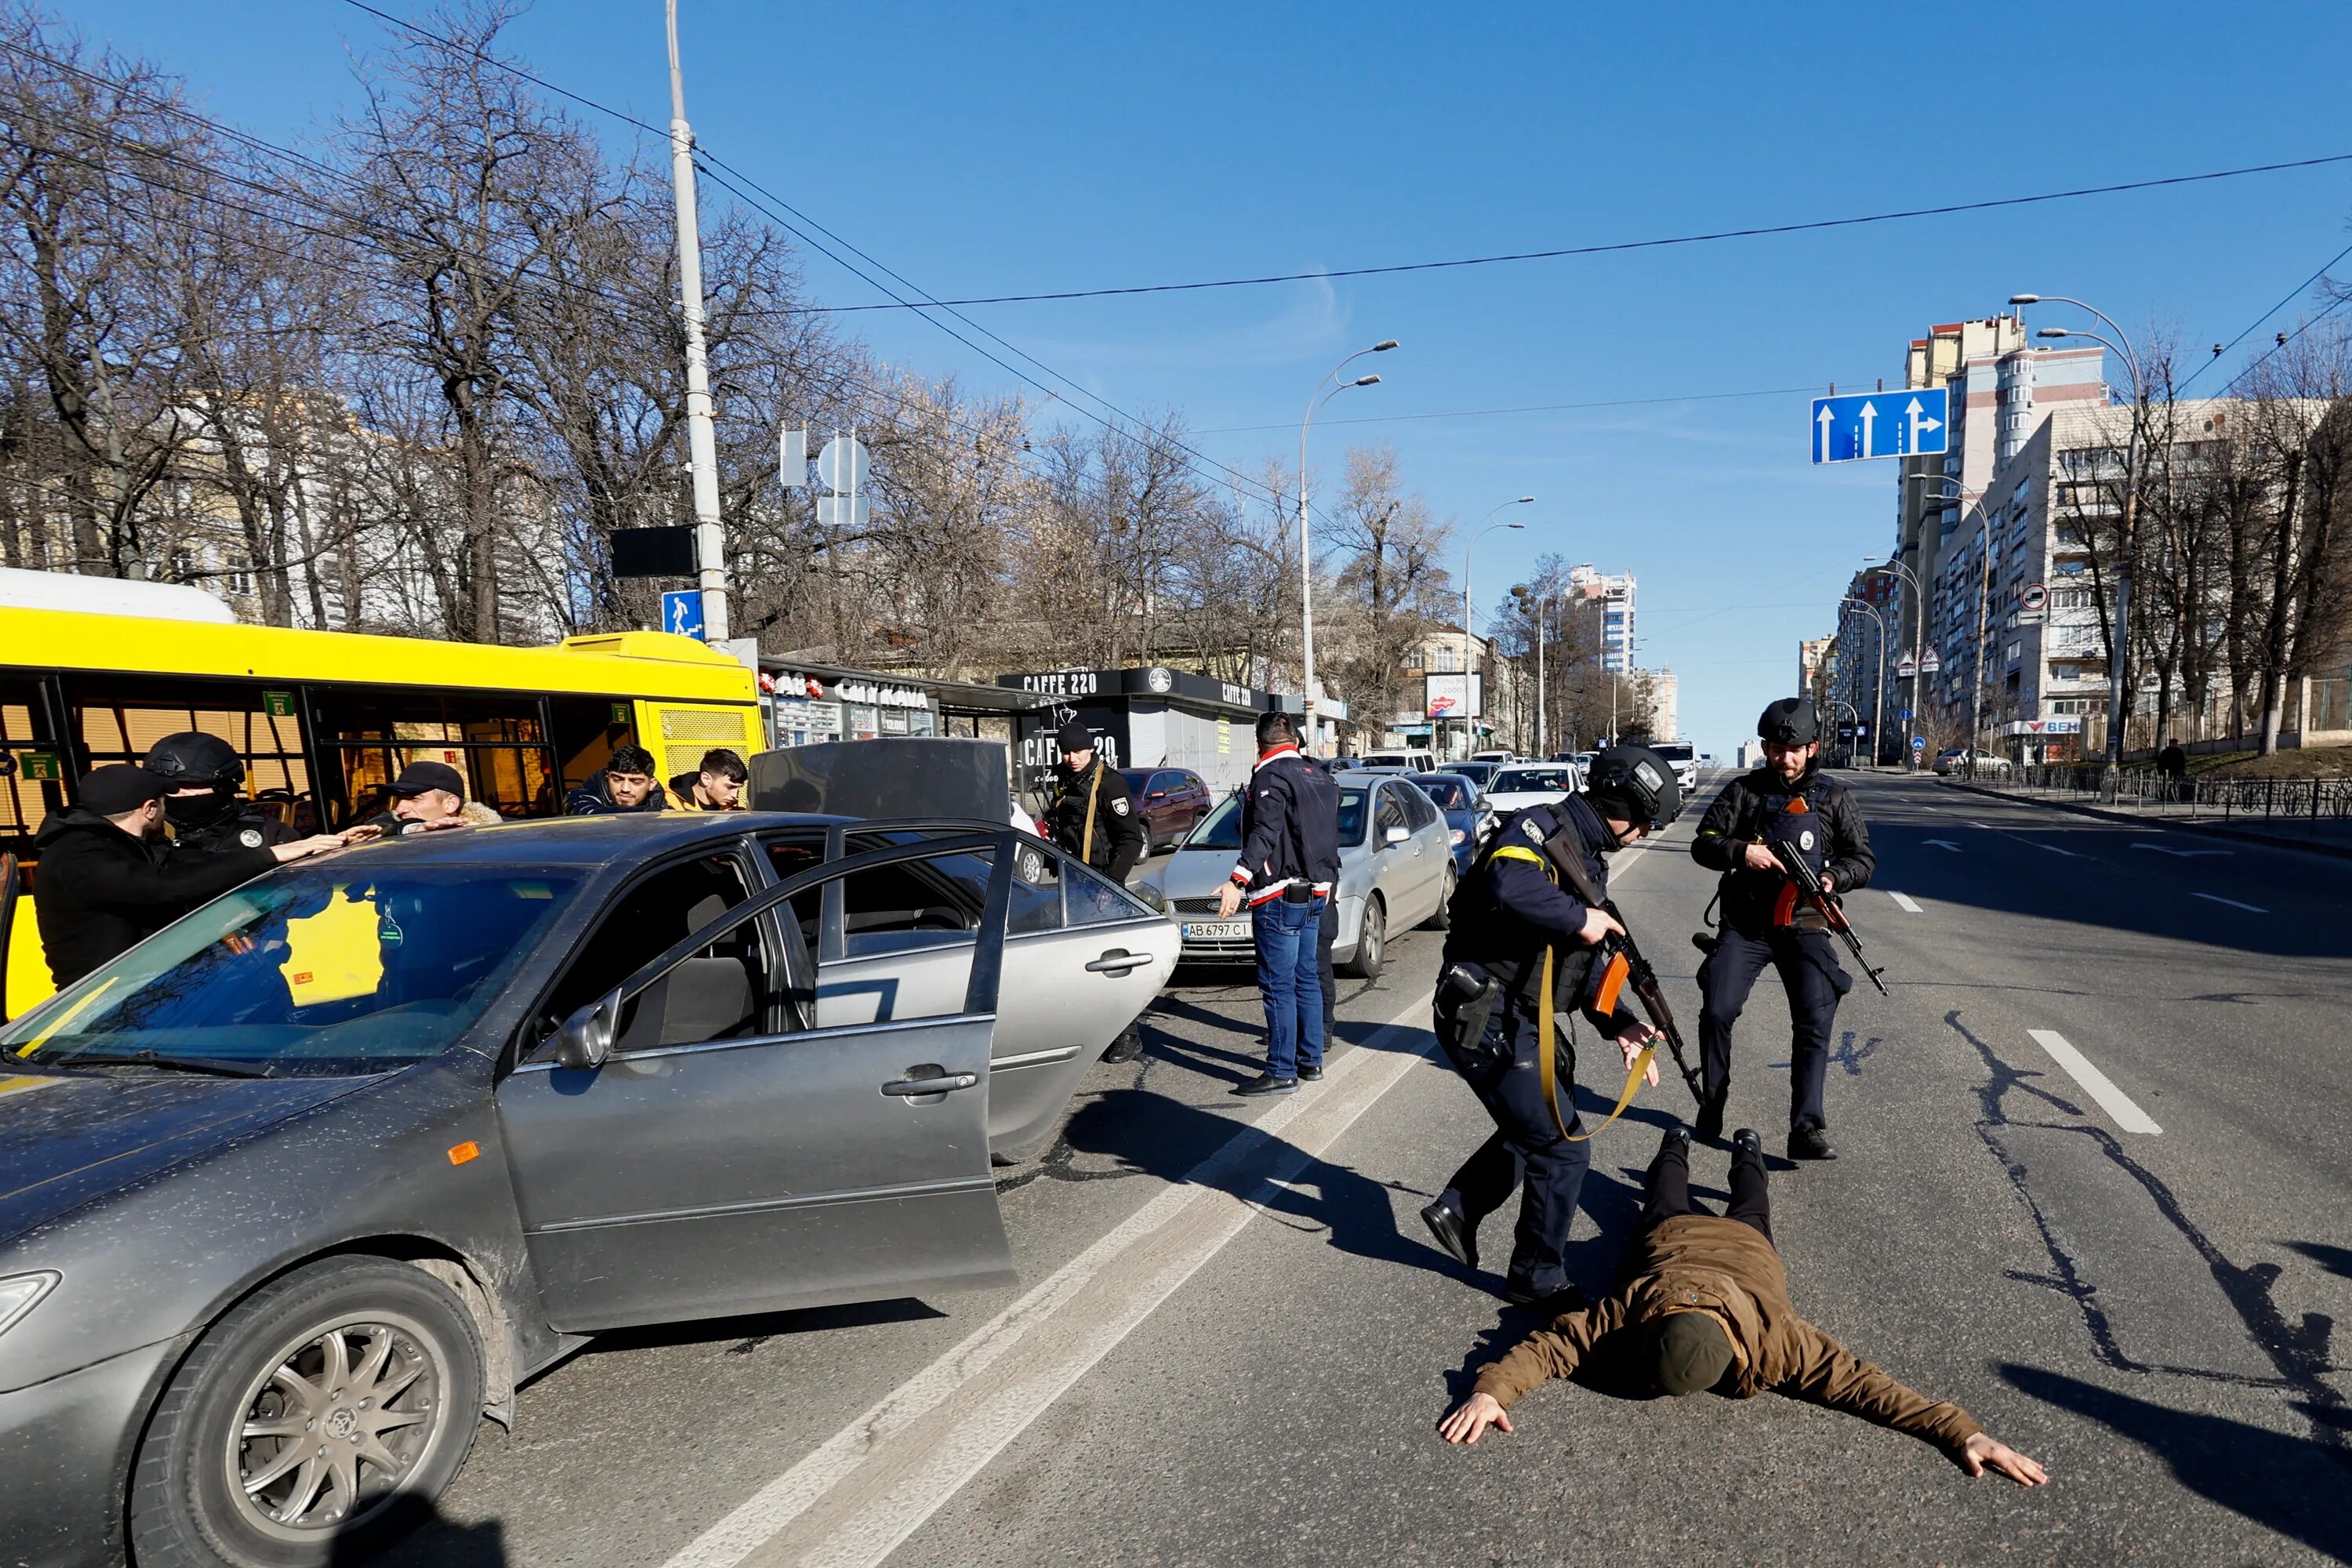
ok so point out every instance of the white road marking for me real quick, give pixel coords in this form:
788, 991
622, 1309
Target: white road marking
1904, 901
2097, 1084
1945, 844
2216, 898
1984, 826
854, 1499
2184, 853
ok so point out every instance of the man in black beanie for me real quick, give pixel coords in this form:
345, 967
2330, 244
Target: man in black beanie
1094, 817
1704, 1304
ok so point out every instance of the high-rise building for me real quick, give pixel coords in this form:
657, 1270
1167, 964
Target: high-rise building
1816, 662
1866, 682
1665, 704
1613, 593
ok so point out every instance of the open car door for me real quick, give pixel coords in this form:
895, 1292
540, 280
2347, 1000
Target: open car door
698, 1142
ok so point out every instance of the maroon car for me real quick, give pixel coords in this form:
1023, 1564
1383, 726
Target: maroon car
1172, 800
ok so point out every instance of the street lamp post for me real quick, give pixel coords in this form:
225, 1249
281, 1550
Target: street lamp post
1484, 526
1878, 703
1538, 603
701, 442
1306, 555
2119, 663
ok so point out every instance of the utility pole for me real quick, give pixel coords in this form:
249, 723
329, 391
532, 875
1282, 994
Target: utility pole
701, 444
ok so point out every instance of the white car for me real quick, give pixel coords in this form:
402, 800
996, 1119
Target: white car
1685, 759
1532, 783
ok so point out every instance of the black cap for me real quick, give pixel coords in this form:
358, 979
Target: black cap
1075, 736
417, 777
1790, 721
122, 786
1688, 1352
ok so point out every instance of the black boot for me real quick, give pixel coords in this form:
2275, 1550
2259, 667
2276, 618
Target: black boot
1708, 1128
1747, 1141
1129, 1046
1810, 1143
1460, 1242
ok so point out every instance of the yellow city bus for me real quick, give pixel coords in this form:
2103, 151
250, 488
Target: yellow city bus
324, 719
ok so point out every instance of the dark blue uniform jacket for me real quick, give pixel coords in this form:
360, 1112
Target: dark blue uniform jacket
1510, 909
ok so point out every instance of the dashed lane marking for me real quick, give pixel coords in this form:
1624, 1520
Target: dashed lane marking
2218, 898
1904, 901
2097, 1084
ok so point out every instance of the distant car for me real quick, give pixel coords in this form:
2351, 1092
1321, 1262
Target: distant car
1410, 759
1170, 799
1956, 760
1493, 756
1467, 818
1396, 871
1532, 783
1477, 772
304, 1184
1685, 760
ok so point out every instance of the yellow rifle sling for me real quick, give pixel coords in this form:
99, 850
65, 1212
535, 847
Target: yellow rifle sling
1087, 837
1547, 1043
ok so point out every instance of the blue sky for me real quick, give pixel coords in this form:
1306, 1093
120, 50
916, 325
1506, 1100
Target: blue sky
984, 149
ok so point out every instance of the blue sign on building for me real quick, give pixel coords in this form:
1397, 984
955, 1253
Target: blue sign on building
682, 613
1880, 424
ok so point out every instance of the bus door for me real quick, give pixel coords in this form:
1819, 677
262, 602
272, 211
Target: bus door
33, 769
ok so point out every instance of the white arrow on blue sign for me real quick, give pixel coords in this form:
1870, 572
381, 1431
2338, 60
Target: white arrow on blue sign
1880, 424
682, 613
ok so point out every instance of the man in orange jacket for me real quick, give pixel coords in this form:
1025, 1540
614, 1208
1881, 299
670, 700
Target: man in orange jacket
1705, 1305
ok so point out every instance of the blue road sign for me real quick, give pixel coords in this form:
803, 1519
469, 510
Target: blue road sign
1880, 424
682, 613
1919, 743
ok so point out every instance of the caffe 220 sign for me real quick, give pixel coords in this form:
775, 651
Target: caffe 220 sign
1156, 681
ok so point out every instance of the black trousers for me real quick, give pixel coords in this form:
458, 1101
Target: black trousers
1667, 1193
1526, 1153
1811, 975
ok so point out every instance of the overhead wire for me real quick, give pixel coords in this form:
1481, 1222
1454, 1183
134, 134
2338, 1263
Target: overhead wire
2291, 296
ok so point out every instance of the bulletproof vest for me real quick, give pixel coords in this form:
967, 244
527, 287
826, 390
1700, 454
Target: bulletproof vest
1796, 823
246, 828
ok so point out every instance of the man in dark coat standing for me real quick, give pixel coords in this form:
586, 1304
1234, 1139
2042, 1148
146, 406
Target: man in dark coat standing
107, 879
1289, 860
1094, 817
1788, 800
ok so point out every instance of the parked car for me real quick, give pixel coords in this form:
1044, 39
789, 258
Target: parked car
1406, 759
1467, 818
1170, 799
1532, 783
1477, 772
1956, 760
1500, 756
298, 1188
1396, 871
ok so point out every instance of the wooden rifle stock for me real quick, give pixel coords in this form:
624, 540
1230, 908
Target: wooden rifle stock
1808, 884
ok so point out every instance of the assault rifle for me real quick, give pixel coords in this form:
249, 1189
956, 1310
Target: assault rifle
1809, 887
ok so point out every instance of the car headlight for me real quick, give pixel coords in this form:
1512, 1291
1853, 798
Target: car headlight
19, 1293
1458, 835
1151, 894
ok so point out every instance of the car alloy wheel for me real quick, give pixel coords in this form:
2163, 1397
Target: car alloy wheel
1369, 942
1443, 918
331, 1433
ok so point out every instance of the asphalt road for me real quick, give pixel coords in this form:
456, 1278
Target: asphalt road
2096, 1188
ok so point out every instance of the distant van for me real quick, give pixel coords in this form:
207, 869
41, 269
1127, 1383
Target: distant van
1411, 762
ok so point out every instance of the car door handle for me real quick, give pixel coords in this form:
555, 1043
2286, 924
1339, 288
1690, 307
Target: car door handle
939, 1082
1117, 961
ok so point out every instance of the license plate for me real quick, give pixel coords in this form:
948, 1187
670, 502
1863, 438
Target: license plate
1216, 931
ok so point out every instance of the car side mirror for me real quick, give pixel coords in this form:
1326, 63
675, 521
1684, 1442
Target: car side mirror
1397, 836
586, 1038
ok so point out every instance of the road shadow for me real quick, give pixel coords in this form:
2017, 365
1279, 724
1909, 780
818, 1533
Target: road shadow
2336, 1260
752, 1329
2289, 1484
415, 1532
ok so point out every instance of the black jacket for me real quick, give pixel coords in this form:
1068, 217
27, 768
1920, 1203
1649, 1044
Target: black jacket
1118, 836
1738, 819
593, 799
1512, 906
1291, 828
98, 891
246, 826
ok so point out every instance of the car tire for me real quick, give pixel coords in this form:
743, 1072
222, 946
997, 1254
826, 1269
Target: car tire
1371, 943
307, 1348
1443, 918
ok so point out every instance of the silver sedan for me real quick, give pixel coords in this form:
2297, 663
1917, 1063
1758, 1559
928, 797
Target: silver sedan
1396, 871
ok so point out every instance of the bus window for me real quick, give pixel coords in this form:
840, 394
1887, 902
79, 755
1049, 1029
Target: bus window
30, 749
587, 732
117, 719
366, 735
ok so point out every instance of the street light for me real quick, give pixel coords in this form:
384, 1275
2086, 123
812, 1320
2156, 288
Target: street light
1307, 556
1479, 530
2119, 626
1540, 602
1878, 704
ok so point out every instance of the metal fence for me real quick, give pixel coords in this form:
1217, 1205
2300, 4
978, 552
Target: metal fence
2313, 805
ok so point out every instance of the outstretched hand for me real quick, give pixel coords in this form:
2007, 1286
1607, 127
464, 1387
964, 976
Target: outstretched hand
1983, 1450
1480, 1411
1637, 1034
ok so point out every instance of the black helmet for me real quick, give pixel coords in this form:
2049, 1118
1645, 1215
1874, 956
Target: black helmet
1790, 721
1633, 784
192, 758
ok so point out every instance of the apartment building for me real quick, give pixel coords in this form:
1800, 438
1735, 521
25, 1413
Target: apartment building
1867, 691
1613, 593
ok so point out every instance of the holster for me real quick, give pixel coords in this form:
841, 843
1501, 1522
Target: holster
1465, 1005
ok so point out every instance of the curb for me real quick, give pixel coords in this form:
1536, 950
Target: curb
2214, 829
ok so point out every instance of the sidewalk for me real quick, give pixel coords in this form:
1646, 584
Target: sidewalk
2321, 836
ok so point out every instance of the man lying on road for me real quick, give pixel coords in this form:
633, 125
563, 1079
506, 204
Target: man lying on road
1705, 1304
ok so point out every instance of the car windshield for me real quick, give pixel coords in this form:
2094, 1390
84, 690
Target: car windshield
1449, 794
1136, 779
1674, 751
324, 971
1221, 828
1533, 781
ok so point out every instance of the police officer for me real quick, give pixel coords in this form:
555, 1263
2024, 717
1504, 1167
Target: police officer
1094, 817
208, 808
1514, 905
1787, 800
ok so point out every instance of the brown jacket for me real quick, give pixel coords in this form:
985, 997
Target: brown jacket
1727, 1269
